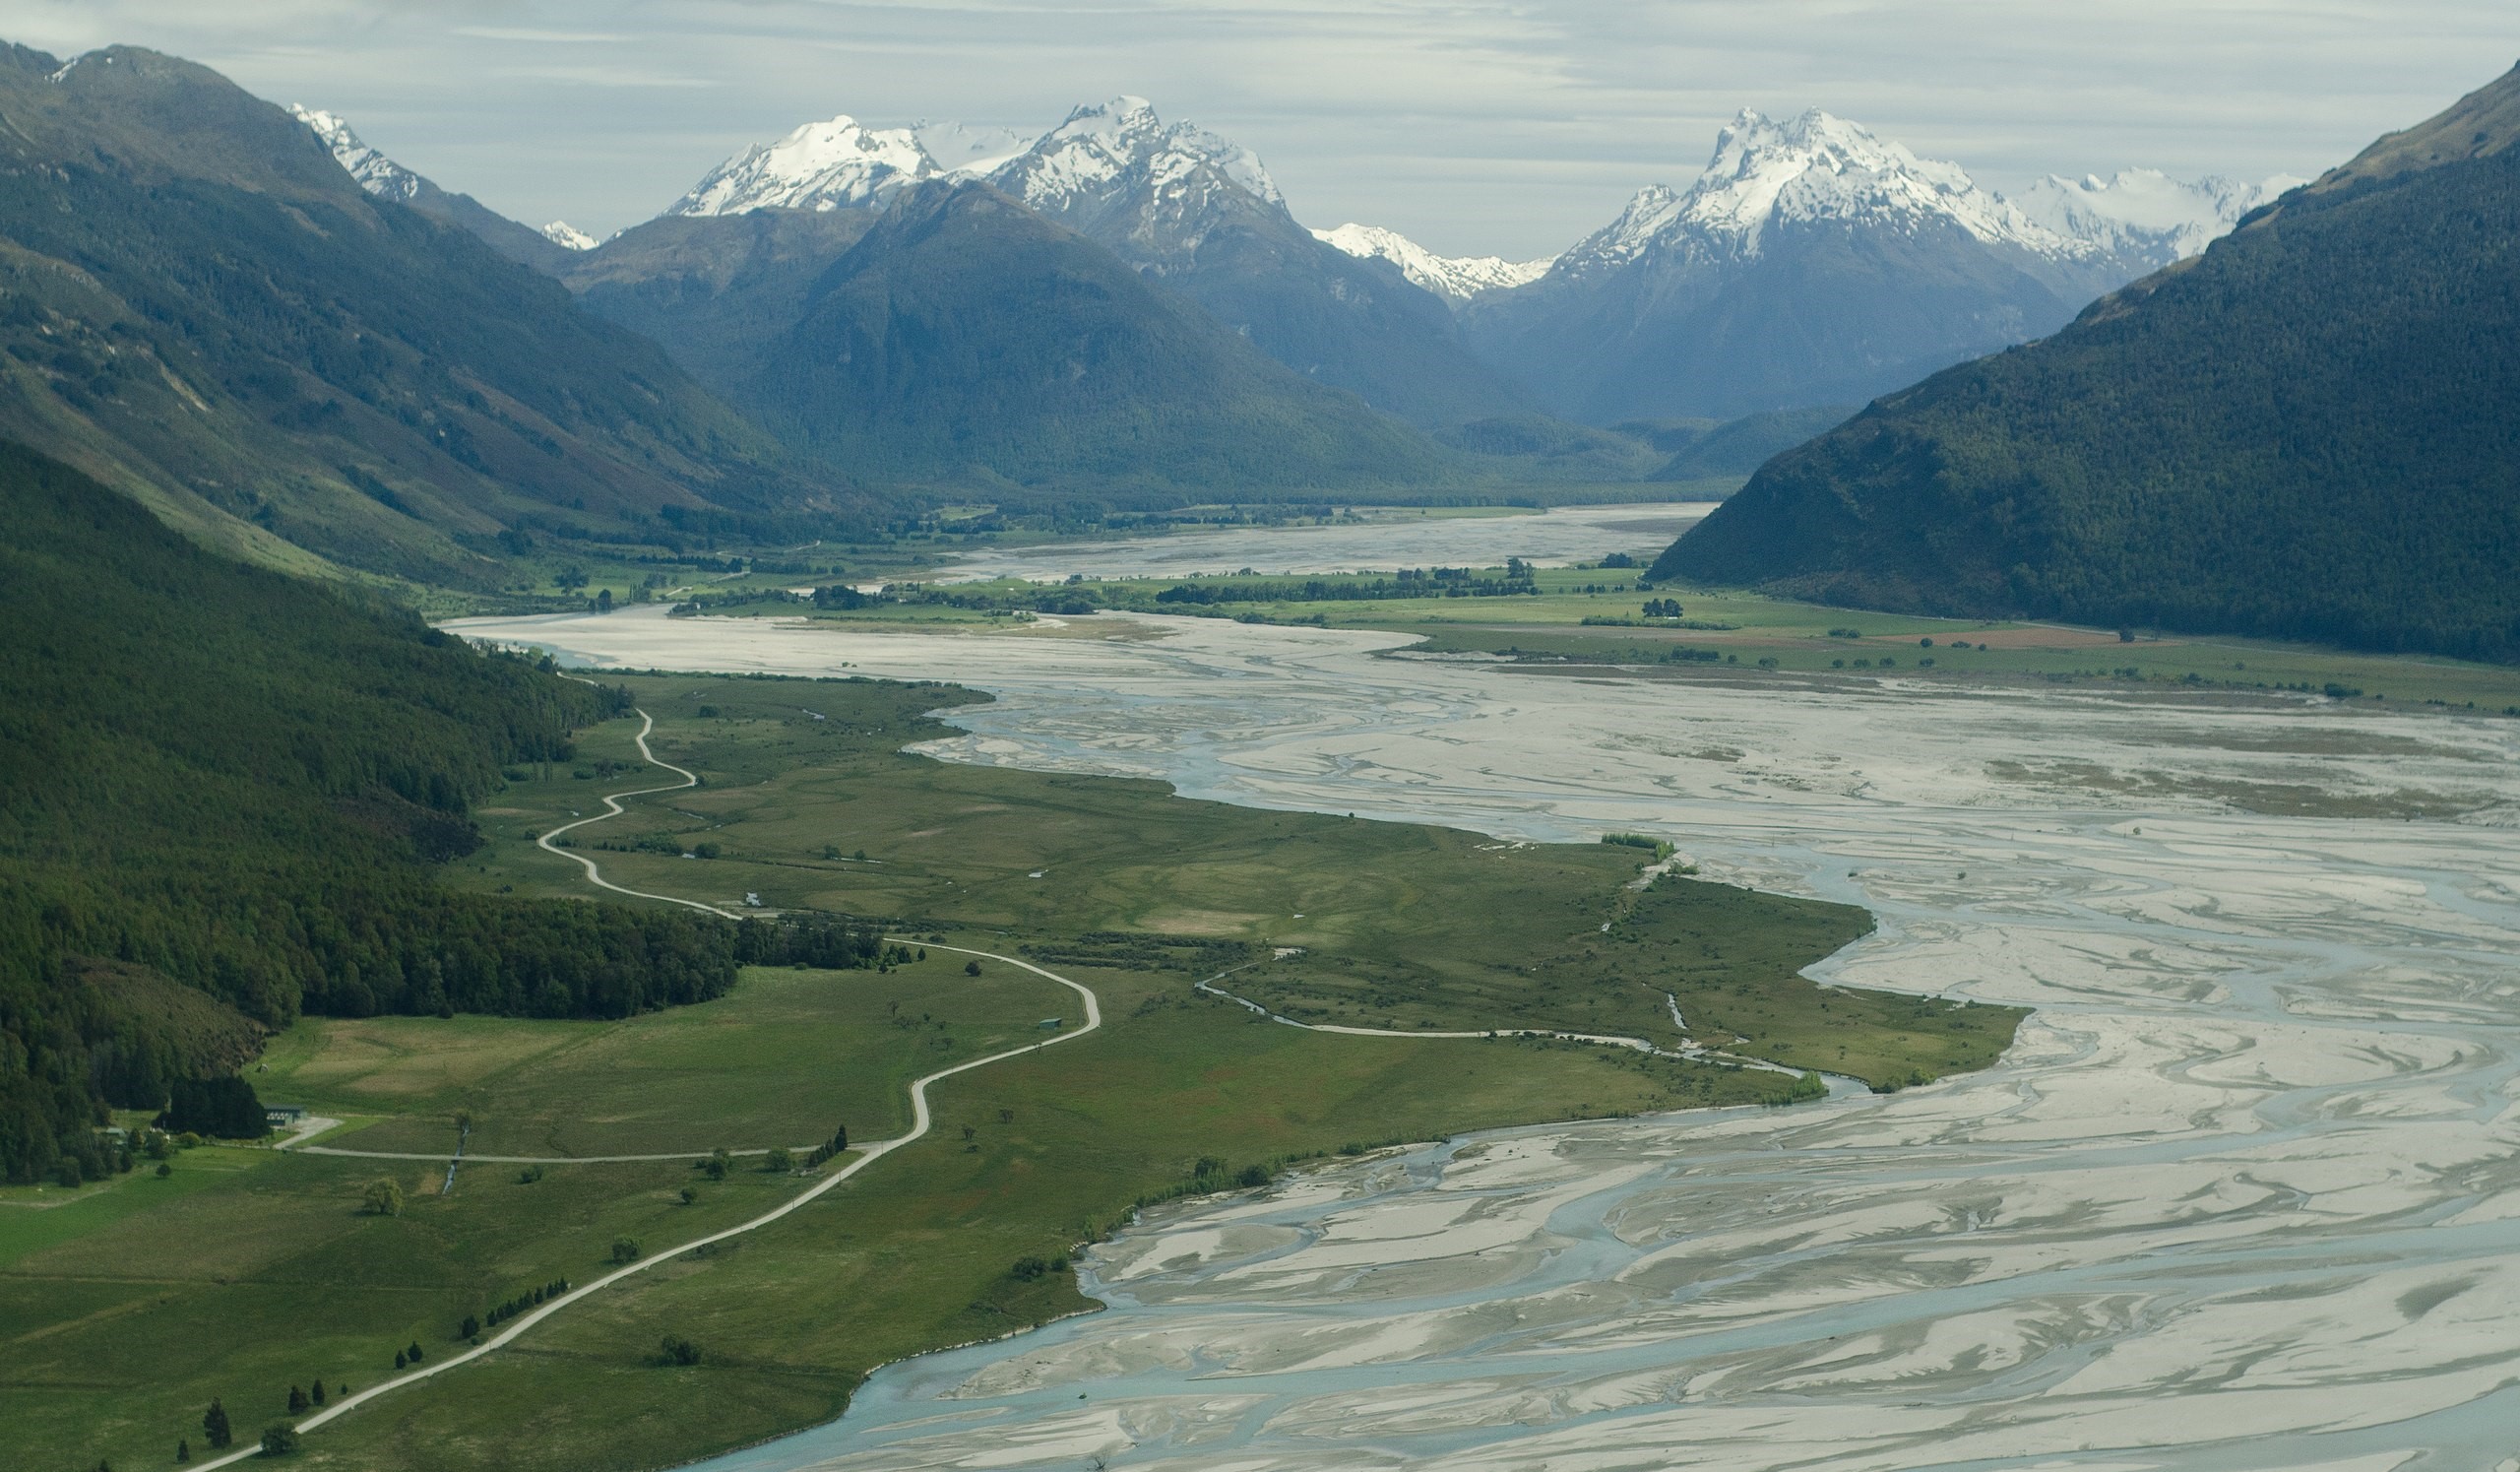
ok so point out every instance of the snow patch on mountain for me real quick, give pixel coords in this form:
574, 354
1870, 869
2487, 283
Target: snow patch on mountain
1454, 278
1110, 148
568, 236
2144, 214
832, 164
967, 149
376, 173
839, 164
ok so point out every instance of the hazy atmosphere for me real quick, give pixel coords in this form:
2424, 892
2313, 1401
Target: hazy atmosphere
1473, 126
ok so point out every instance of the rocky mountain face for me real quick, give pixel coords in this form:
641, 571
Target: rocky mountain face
2303, 432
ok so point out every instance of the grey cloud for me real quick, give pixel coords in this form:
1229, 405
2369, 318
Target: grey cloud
1476, 125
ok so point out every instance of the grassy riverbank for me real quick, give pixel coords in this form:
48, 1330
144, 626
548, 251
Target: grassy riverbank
1600, 616
246, 1285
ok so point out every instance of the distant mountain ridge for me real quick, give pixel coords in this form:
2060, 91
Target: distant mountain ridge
1810, 264
2304, 432
2144, 216
1455, 277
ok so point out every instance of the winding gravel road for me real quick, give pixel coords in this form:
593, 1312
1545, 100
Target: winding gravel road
921, 1121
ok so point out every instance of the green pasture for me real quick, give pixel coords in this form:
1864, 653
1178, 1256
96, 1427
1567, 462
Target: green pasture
248, 1271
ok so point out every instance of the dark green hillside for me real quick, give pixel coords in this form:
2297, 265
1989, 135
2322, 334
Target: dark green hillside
200, 308
219, 777
2308, 431
965, 338
712, 289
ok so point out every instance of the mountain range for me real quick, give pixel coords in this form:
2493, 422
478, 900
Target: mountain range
1811, 264
291, 344
2306, 431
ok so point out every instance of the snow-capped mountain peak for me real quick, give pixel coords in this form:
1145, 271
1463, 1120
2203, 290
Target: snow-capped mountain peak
1107, 149
2144, 214
831, 165
376, 173
568, 236
1455, 277
1767, 173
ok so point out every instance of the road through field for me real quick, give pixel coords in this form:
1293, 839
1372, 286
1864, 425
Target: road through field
921, 1121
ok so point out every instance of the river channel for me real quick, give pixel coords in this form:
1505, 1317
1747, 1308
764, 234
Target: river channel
2245, 1194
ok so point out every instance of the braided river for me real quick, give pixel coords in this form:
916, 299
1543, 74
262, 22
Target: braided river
2245, 1194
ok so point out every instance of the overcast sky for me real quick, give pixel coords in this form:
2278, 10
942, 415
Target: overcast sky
1477, 126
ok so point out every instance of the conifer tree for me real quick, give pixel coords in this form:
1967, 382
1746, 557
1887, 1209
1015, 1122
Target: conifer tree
213, 1426
296, 1401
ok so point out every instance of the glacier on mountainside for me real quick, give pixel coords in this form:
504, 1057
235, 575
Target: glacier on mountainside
1453, 278
2143, 215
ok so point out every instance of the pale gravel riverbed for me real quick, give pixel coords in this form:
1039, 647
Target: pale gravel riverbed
2245, 1195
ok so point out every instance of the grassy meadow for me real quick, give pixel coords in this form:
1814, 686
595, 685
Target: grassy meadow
247, 1271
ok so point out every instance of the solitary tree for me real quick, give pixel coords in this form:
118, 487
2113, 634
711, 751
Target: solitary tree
213, 1426
779, 1161
716, 1164
398, 1361
970, 968
280, 1440
296, 1401
183, 1451
315, 1392
625, 1249
414, 1352
383, 1198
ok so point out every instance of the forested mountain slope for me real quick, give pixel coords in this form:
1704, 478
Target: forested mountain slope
218, 778
2307, 432
965, 338
201, 307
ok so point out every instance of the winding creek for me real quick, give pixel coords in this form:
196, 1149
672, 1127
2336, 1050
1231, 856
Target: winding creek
2245, 1196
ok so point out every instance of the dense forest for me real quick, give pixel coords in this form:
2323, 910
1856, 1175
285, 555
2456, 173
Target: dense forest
222, 795
2306, 433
